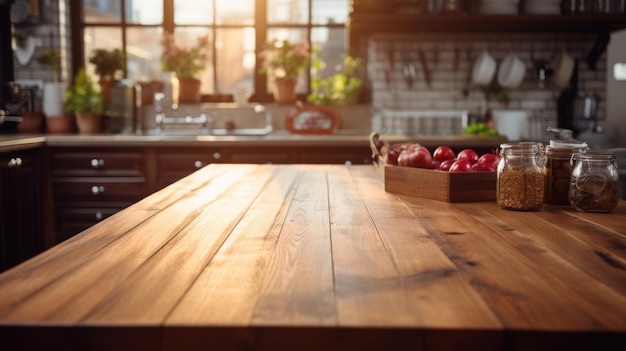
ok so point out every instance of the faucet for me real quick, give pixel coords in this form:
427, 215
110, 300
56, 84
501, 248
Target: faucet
162, 120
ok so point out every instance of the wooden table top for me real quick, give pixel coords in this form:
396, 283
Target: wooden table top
320, 257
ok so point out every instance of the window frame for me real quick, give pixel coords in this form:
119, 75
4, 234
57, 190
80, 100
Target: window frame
261, 26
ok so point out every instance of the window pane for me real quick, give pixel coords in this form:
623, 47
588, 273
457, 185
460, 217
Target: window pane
288, 11
144, 11
193, 12
188, 37
144, 53
235, 59
330, 11
332, 47
235, 12
100, 38
293, 36
102, 11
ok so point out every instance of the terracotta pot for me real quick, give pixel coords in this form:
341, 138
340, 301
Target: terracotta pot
189, 90
60, 124
31, 122
105, 90
88, 123
285, 91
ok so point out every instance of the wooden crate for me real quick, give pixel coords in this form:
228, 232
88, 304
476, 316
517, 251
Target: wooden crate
439, 185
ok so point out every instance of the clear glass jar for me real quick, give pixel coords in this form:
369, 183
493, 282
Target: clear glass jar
520, 182
557, 171
594, 183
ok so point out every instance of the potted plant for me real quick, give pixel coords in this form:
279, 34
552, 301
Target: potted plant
284, 62
109, 64
86, 103
187, 63
341, 88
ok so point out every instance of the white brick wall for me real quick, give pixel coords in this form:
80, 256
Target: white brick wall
447, 84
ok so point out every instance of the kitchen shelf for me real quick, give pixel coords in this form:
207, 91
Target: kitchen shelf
377, 22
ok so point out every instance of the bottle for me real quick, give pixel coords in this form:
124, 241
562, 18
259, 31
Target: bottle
594, 182
171, 89
520, 179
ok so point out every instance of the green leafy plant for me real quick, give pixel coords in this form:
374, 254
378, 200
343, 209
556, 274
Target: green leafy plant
284, 60
51, 58
83, 97
187, 62
340, 88
108, 63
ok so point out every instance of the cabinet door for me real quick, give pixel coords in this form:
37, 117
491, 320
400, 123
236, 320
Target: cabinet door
21, 207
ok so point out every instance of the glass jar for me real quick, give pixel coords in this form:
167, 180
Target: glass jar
520, 182
557, 171
594, 183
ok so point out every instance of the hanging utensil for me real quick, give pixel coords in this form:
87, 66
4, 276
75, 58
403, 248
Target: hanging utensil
468, 78
408, 70
425, 69
389, 68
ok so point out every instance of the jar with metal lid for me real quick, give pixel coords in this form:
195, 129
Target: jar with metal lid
594, 182
557, 171
520, 182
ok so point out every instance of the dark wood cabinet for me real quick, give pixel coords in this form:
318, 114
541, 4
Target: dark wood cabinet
21, 206
90, 184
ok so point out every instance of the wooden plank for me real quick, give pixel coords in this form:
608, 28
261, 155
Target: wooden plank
521, 292
226, 291
440, 294
71, 296
146, 298
364, 274
297, 287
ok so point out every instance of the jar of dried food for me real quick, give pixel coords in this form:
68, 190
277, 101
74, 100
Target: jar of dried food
520, 182
594, 183
557, 171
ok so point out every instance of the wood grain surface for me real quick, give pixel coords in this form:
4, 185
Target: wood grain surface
320, 257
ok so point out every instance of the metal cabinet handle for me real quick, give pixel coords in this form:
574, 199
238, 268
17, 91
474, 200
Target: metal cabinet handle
198, 164
97, 190
217, 155
99, 216
97, 163
15, 162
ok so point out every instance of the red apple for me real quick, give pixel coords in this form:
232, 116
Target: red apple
416, 156
491, 159
394, 151
461, 165
445, 165
469, 155
443, 153
483, 167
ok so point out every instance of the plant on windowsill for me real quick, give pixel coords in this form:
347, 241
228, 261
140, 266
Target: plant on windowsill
187, 63
86, 103
283, 62
109, 66
52, 91
341, 88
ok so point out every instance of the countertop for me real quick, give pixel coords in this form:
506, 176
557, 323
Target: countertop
320, 257
278, 137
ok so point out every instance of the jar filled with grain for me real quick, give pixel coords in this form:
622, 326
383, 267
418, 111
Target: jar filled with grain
557, 171
520, 182
594, 182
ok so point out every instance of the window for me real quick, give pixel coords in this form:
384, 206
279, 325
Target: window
237, 30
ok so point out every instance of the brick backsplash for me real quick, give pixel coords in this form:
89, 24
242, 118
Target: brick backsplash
446, 91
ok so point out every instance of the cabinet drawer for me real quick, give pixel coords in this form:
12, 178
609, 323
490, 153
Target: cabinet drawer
127, 163
71, 220
173, 166
115, 191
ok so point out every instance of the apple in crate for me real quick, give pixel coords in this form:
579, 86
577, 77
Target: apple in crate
416, 156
